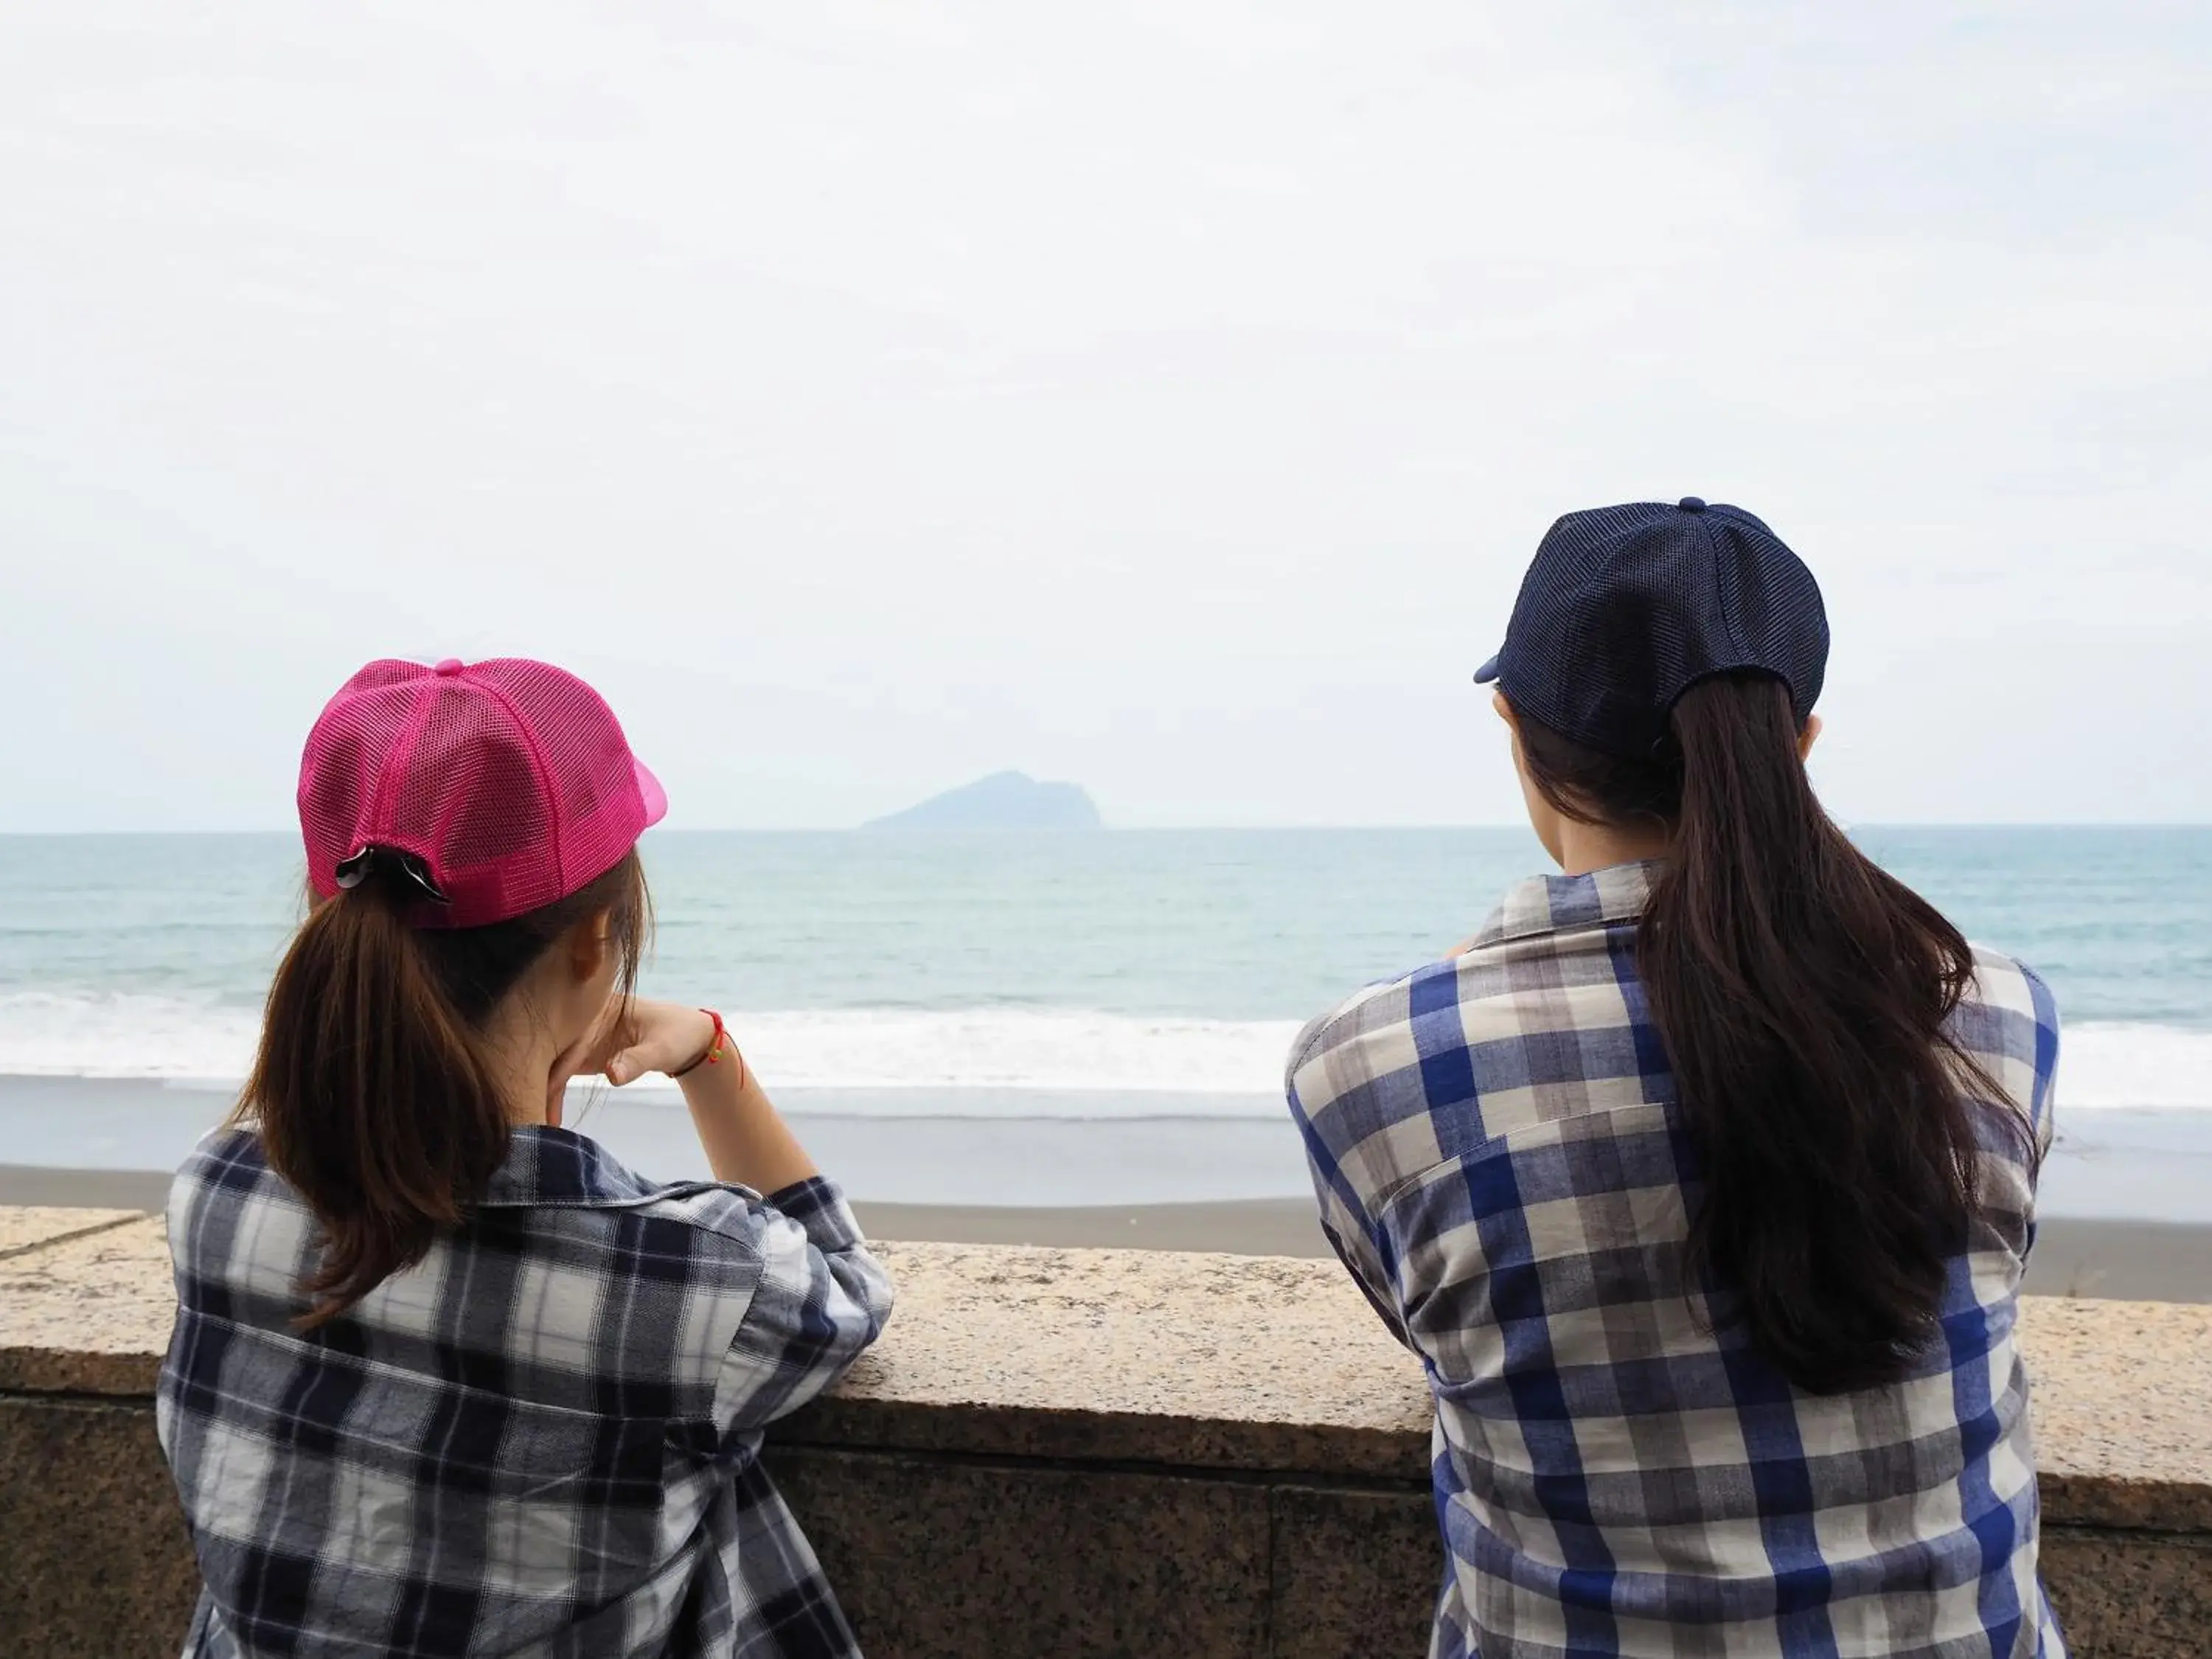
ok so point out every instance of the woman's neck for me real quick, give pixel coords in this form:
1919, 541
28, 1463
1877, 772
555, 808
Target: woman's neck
522, 1060
1587, 847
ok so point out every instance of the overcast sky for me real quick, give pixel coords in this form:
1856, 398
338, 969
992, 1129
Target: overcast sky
1163, 397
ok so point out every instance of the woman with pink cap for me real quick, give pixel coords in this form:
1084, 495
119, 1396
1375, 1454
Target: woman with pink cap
446, 1378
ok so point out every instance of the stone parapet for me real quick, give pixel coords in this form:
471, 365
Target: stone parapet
1078, 1452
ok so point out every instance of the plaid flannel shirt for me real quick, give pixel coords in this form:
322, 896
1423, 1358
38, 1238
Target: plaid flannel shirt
1501, 1165
541, 1440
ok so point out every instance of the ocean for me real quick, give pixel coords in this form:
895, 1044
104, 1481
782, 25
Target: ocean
1052, 1019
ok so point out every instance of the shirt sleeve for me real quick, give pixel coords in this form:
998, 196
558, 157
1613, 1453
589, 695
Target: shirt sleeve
822, 1299
2043, 1099
2042, 1106
1344, 1219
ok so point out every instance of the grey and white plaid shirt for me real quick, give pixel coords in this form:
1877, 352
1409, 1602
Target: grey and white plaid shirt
541, 1441
1501, 1165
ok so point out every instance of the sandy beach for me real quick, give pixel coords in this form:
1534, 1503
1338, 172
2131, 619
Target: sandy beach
2126, 1261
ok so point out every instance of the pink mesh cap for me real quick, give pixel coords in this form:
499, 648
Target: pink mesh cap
509, 779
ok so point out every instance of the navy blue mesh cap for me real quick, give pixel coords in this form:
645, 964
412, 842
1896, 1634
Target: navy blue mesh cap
1626, 608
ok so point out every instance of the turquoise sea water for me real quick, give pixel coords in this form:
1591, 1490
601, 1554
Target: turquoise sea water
1135, 977
147, 954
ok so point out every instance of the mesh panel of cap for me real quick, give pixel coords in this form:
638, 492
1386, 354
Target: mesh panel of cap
510, 778
499, 832
1625, 608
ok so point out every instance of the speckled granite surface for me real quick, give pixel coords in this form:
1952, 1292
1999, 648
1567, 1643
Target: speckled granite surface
1077, 1453
2123, 1406
96, 1563
1208, 1361
21, 1230
2120, 1594
90, 1313
934, 1559
1195, 1362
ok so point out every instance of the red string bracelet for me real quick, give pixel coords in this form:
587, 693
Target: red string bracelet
717, 1045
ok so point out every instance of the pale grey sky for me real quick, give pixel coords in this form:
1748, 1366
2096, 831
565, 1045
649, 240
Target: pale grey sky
1166, 397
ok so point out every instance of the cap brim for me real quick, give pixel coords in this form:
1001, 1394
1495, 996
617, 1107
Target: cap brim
1487, 672
649, 790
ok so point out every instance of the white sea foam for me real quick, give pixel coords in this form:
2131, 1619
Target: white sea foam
1053, 1050
2121, 1063
1046, 1051
51, 1034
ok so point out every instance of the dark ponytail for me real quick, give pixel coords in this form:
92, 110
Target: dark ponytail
373, 1093
1802, 996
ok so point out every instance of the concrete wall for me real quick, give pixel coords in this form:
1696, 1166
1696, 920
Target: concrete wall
1074, 1453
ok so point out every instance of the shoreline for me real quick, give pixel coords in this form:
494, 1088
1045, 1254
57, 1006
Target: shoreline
1039, 1149
2123, 1260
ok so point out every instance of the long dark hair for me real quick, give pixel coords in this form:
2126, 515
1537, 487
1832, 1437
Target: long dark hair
1802, 995
373, 1092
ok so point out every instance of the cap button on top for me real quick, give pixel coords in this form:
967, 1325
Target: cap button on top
1691, 504
450, 666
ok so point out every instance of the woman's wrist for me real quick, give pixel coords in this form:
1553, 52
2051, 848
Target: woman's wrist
729, 1074
739, 1130
714, 1047
666, 1038
719, 1075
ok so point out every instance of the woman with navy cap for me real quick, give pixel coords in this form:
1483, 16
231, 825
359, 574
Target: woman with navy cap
1701, 1178
446, 1378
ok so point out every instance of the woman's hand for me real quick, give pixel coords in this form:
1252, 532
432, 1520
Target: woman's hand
745, 1140
633, 1037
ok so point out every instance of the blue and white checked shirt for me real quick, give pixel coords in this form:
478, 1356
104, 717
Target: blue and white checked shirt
540, 1441
1500, 1163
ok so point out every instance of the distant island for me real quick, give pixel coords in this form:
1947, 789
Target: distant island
1005, 800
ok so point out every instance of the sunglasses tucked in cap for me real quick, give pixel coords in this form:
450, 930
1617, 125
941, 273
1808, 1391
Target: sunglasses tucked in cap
1626, 608
502, 786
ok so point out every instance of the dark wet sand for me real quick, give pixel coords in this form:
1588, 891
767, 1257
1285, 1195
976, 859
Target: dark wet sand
2131, 1261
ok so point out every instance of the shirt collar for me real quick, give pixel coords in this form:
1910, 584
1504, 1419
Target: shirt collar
1562, 904
548, 1166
